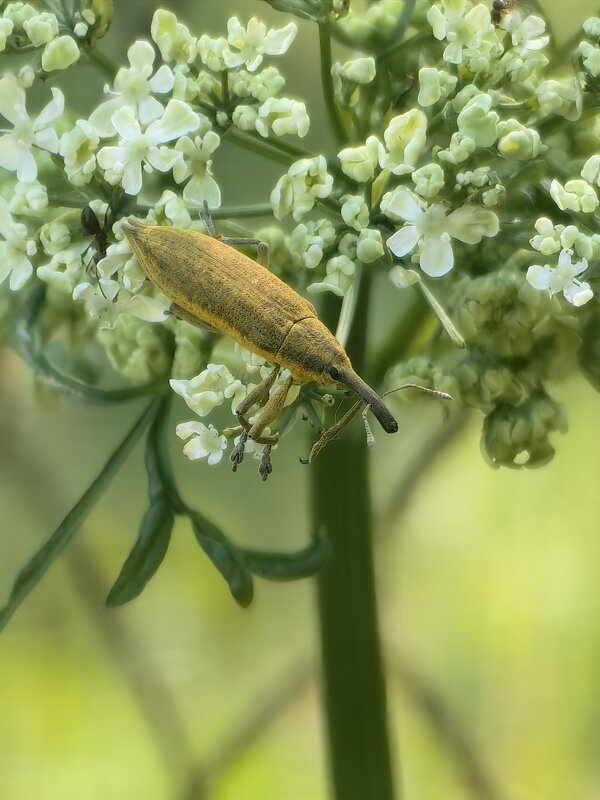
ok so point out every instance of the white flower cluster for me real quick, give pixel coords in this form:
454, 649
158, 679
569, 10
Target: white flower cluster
209, 390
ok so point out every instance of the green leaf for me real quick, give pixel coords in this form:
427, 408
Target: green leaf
288, 566
146, 555
36, 567
226, 558
316, 10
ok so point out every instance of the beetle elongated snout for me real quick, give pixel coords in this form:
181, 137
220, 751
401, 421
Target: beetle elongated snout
352, 381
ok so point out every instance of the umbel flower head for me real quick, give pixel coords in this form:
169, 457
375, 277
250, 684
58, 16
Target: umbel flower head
432, 184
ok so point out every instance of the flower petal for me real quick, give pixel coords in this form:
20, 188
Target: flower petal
162, 81
149, 109
51, 111
403, 241
9, 152
27, 168
539, 276
201, 188
12, 99
141, 55
126, 124
437, 257
177, 120
132, 177
21, 272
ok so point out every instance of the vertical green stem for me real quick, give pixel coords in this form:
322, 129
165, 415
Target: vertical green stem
352, 665
327, 84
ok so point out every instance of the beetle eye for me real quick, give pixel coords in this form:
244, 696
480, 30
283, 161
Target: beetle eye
334, 373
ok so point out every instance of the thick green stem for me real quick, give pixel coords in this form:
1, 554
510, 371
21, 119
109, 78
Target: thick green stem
327, 85
352, 666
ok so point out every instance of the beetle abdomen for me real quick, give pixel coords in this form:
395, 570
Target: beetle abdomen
219, 286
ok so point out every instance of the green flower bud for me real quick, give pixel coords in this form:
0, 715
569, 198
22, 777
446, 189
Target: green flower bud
518, 436
139, 350
370, 246
428, 180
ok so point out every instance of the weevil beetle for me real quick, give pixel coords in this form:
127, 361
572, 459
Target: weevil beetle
215, 286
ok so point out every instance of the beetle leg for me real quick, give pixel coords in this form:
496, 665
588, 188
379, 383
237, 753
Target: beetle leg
257, 394
262, 248
265, 467
271, 410
181, 313
237, 454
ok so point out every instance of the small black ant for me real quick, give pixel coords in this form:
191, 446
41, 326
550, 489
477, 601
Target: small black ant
91, 224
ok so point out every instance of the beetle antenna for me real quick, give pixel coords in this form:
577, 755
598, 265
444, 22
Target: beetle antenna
368, 431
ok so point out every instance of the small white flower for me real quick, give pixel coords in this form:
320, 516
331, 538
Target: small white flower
211, 52
196, 164
460, 30
63, 271
308, 241
134, 86
253, 42
435, 84
529, 34
210, 389
172, 207
205, 442
562, 278
41, 28
564, 98
60, 53
432, 228
15, 251
78, 148
282, 116
339, 277
173, 39
15, 145
575, 195
404, 141
359, 163
123, 164
355, 211
29, 199
305, 181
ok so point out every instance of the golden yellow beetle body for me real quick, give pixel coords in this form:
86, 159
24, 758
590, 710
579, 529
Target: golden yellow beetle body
215, 286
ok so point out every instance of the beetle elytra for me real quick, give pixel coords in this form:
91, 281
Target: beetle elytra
215, 286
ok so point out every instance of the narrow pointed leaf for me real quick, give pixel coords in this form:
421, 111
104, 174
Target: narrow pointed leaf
146, 555
226, 558
36, 567
288, 566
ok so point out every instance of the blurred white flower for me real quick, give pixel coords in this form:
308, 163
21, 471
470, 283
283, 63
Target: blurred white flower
15, 250
15, 145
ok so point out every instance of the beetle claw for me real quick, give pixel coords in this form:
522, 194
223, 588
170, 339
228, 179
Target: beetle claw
237, 454
265, 467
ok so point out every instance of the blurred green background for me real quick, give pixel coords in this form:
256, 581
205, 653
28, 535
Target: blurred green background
488, 585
